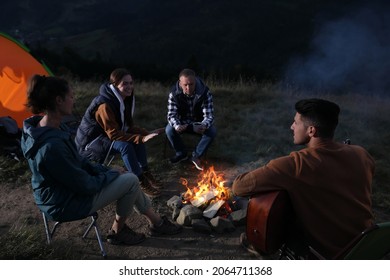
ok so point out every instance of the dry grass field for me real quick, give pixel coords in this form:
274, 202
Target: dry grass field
253, 122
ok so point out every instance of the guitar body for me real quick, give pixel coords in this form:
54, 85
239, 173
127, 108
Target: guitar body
268, 218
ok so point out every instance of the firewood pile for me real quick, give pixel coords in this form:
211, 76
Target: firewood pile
209, 206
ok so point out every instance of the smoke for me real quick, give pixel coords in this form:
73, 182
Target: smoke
349, 54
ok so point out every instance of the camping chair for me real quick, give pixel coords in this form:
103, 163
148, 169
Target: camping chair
94, 217
371, 244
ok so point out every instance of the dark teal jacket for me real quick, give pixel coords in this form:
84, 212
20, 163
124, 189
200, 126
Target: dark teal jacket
63, 182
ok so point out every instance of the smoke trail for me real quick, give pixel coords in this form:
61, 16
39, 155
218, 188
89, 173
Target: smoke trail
350, 54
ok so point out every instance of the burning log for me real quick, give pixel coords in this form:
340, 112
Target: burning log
202, 198
213, 208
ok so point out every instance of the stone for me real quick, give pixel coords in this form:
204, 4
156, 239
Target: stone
175, 202
187, 214
200, 225
238, 217
175, 213
222, 225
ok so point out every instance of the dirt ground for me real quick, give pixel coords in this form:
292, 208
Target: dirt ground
17, 208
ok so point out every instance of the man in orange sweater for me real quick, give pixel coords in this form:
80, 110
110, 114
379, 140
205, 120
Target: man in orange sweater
329, 183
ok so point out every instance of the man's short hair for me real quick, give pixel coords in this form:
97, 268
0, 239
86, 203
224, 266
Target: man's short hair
187, 73
320, 113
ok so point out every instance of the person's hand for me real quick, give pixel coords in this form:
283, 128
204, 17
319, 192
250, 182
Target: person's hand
158, 130
199, 128
181, 127
149, 136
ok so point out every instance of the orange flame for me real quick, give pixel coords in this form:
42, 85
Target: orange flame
210, 186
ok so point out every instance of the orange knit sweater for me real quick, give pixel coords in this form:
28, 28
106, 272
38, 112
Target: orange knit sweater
330, 189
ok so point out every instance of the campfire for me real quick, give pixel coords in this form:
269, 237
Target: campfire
210, 192
209, 200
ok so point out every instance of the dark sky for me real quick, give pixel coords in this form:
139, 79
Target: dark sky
316, 44
348, 52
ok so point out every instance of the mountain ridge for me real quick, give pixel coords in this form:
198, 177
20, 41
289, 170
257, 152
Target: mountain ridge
221, 37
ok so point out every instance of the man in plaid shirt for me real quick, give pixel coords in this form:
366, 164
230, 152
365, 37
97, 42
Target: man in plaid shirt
190, 110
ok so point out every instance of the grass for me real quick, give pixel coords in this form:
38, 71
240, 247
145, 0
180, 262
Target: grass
24, 242
13, 172
253, 122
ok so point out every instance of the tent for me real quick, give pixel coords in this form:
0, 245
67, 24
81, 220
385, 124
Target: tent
17, 66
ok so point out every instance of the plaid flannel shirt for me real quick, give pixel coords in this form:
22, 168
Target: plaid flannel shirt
175, 119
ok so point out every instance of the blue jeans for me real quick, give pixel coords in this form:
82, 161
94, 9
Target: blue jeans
133, 156
178, 145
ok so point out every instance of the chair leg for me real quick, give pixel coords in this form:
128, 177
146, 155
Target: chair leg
49, 233
98, 236
282, 251
109, 158
89, 227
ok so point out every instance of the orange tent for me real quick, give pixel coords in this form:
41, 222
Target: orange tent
17, 66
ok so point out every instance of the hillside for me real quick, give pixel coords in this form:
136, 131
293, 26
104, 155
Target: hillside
221, 37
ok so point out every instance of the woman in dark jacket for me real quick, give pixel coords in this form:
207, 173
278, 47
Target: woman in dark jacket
68, 187
108, 124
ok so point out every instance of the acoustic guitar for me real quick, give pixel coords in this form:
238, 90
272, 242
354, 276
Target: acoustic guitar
268, 218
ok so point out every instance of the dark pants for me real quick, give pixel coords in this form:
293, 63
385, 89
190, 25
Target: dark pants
178, 145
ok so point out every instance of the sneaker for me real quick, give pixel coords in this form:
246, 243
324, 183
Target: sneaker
166, 228
249, 247
178, 158
125, 237
152, 180
196, 162
148, 189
